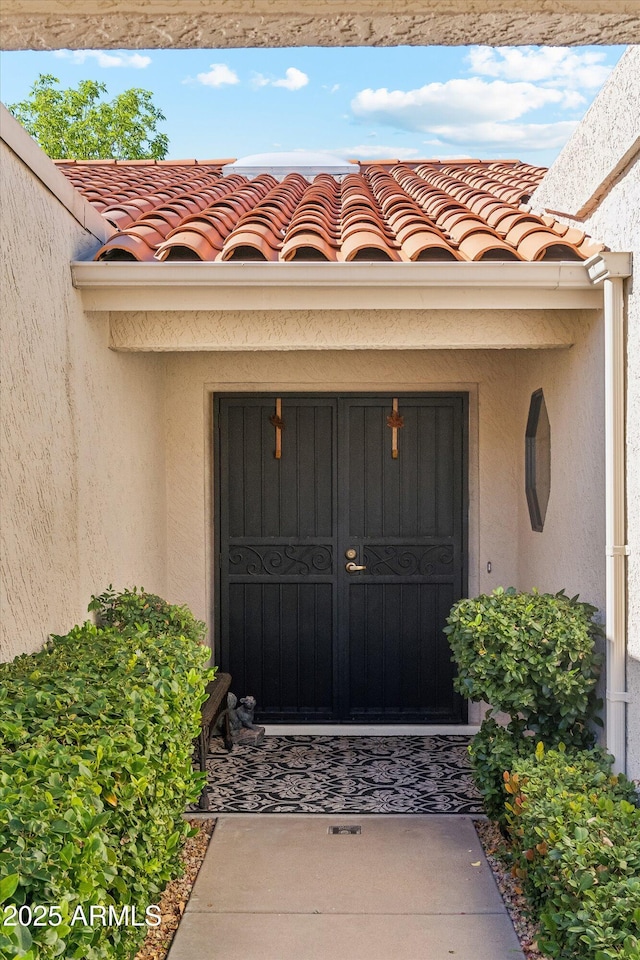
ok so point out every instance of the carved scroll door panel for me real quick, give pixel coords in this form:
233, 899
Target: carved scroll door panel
341, 551
404, 516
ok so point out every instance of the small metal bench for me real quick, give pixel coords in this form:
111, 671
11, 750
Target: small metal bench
211, 710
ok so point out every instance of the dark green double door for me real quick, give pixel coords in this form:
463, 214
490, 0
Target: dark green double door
340, 559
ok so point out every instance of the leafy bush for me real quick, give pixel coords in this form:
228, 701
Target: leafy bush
133, 608
529, 655
95, 773
575, 828
532, 657
493, 750
576, 847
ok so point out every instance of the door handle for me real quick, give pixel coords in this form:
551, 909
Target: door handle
352, 567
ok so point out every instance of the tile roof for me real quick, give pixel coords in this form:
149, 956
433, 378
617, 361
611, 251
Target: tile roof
384, 210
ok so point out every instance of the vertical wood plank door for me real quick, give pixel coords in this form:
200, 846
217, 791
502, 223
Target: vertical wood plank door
338, 559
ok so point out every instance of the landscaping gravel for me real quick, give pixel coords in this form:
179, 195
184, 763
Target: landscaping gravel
496, 852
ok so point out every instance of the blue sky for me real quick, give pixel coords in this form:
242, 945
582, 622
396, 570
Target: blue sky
363, 102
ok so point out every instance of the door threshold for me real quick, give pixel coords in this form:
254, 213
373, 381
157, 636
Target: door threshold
369, 729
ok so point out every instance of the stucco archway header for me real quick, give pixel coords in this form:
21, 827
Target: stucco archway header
78, 24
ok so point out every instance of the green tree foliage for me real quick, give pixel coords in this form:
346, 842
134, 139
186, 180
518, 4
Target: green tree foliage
76, 124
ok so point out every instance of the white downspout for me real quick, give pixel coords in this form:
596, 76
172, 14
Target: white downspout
610, 269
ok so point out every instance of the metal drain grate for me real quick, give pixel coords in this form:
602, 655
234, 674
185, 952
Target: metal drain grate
346, 831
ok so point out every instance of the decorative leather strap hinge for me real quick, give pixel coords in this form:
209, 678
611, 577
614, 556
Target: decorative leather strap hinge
278, 423
396, 422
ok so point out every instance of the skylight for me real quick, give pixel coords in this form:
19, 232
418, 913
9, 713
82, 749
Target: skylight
308, 163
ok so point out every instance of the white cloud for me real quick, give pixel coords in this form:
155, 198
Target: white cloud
552, 66
293, 79
259, 80
571, 99
104, 59
369, 151
490, 110
447, 156
460, 101
501, 136
219, 75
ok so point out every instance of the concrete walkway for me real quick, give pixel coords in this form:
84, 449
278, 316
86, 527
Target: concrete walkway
283, 887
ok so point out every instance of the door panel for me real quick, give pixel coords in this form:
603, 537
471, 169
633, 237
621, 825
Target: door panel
287, 498
404, 519
281, 651
277, 555
402, 680
308, 639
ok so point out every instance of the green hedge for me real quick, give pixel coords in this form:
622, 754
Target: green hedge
575, 830
493, 750
95, 773
531, 655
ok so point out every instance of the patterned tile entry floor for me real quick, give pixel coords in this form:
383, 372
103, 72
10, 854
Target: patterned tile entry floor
325, 774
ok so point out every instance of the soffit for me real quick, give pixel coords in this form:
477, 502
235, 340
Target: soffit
78, 24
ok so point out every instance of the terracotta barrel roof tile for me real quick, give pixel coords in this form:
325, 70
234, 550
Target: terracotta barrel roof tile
457, 209
208, 227
245, 240
424, 244
484, 245
366, 241
589, 248
187, 245
147, 232
542, 244
308, 241
125, 246
523, 228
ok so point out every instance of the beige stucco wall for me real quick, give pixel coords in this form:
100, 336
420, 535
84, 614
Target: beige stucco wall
50, 24
611, 212
82, 445
192, 380
499, 386
569, 552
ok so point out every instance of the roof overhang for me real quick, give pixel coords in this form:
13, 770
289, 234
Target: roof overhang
188, 286
207, 24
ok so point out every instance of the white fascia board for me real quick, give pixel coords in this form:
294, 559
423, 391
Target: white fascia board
183, 286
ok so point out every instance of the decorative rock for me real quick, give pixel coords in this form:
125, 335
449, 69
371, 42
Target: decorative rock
249, 738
